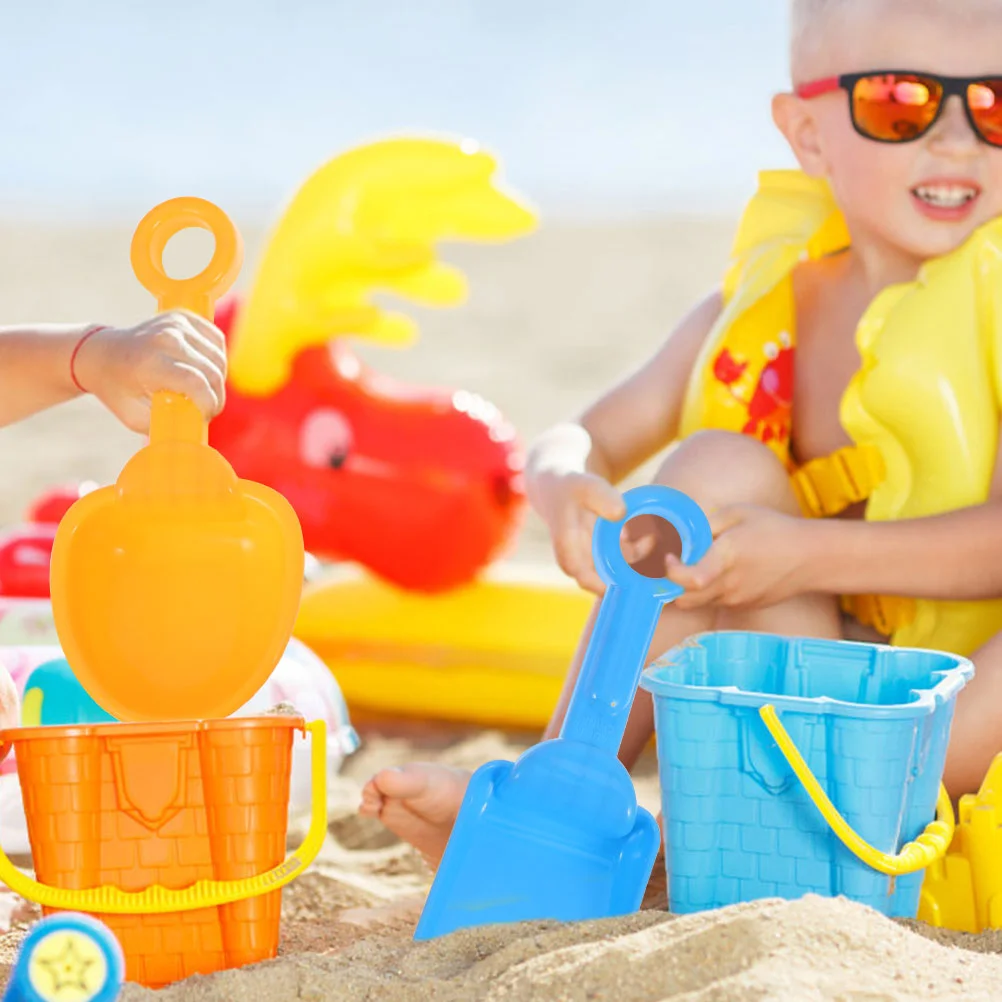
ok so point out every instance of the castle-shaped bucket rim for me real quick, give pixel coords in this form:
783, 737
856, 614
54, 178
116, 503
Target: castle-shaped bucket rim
950, 681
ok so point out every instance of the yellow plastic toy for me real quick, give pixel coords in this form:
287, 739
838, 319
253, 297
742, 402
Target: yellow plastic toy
923, 411
175, 590
963, 891
366, 221
494, 652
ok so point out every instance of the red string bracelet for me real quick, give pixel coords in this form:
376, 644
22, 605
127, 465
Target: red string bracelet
76, 349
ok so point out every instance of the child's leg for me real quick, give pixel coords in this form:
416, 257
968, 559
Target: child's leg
976, 737
420, 801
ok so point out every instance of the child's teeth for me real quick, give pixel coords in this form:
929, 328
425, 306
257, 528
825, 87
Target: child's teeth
945, 196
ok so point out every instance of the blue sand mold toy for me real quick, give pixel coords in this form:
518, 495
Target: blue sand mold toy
59, 698
558, 834
67, 958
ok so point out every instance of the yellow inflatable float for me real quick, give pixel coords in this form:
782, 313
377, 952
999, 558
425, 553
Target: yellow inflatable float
494, 652
923, 411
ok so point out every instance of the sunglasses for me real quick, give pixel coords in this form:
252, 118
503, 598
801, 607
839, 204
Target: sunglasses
891, 106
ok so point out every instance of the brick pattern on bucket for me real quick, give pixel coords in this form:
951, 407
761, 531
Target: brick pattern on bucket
872, 723
107, 805
741, 826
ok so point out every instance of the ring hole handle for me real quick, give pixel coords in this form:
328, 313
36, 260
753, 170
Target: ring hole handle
200, 292
673, 506
174, 417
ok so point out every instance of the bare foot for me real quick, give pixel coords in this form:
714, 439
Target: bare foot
418, 803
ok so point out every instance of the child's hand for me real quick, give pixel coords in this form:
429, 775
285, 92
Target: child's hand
176, 351
757, 559
570, 503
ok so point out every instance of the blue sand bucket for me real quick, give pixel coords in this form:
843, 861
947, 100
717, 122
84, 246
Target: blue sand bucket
760, 738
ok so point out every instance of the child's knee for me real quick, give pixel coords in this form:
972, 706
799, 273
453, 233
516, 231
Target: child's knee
719, 468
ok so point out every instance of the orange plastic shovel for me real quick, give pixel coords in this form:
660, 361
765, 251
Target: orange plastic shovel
174, 592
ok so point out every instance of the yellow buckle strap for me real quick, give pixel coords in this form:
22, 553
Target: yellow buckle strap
885, 613
830, 484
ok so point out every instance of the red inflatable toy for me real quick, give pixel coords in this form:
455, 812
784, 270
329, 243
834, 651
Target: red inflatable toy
25, 550
421, 486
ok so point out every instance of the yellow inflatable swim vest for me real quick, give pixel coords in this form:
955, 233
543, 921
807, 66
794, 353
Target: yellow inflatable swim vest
923, 410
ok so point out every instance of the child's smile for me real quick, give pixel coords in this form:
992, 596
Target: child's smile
946, 199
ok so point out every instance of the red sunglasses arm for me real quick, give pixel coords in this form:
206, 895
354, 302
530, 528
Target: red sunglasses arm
815, 88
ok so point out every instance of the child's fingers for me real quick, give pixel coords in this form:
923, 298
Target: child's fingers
572, 547
703, 582
186, 335
696, 594
185, 348
193, 383
571, 558
372, 801
600, 497
207, 329
635, 550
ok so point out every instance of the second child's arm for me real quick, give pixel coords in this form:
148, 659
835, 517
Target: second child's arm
571, 468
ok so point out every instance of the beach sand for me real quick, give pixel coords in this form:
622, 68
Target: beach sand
552, 320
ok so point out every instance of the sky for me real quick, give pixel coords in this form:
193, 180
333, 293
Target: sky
594, 107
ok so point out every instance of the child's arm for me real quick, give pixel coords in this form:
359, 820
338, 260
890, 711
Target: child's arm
572, 466
761, 557
123, 367
956, 556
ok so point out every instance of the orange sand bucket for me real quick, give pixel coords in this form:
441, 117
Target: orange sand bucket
173, 834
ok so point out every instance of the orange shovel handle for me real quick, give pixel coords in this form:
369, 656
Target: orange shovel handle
173, 416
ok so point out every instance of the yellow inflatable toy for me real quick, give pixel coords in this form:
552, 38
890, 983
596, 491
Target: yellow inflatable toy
923, 411
494, 652
427, 487
368, 220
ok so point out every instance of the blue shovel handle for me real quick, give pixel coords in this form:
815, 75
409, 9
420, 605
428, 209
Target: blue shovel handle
627, 617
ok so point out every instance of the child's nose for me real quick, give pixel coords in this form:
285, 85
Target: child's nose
953, 134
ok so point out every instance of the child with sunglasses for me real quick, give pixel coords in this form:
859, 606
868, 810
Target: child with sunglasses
41, 366
896, 120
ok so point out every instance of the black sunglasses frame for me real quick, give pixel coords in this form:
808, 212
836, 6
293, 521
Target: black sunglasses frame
950, 87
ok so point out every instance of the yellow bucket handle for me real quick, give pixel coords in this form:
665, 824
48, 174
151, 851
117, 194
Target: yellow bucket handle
110, 900
925, 850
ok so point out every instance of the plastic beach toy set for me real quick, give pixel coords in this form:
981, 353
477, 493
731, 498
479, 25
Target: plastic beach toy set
174, 594
787, 766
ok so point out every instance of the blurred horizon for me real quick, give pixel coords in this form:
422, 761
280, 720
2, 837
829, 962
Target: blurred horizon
109, 107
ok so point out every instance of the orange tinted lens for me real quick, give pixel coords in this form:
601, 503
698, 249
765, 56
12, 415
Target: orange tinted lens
895, 107
985, 101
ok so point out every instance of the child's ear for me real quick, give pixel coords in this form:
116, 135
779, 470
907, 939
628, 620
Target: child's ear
793, 117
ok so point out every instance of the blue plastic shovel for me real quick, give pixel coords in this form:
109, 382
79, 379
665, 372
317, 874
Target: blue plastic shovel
558, 834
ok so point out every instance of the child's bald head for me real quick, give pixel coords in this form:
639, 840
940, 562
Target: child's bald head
824, 34
883, 188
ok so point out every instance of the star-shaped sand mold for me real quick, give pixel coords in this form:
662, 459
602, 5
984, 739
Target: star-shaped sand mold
67, 967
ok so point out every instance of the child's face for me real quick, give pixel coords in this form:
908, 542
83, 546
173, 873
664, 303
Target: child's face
903, 196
